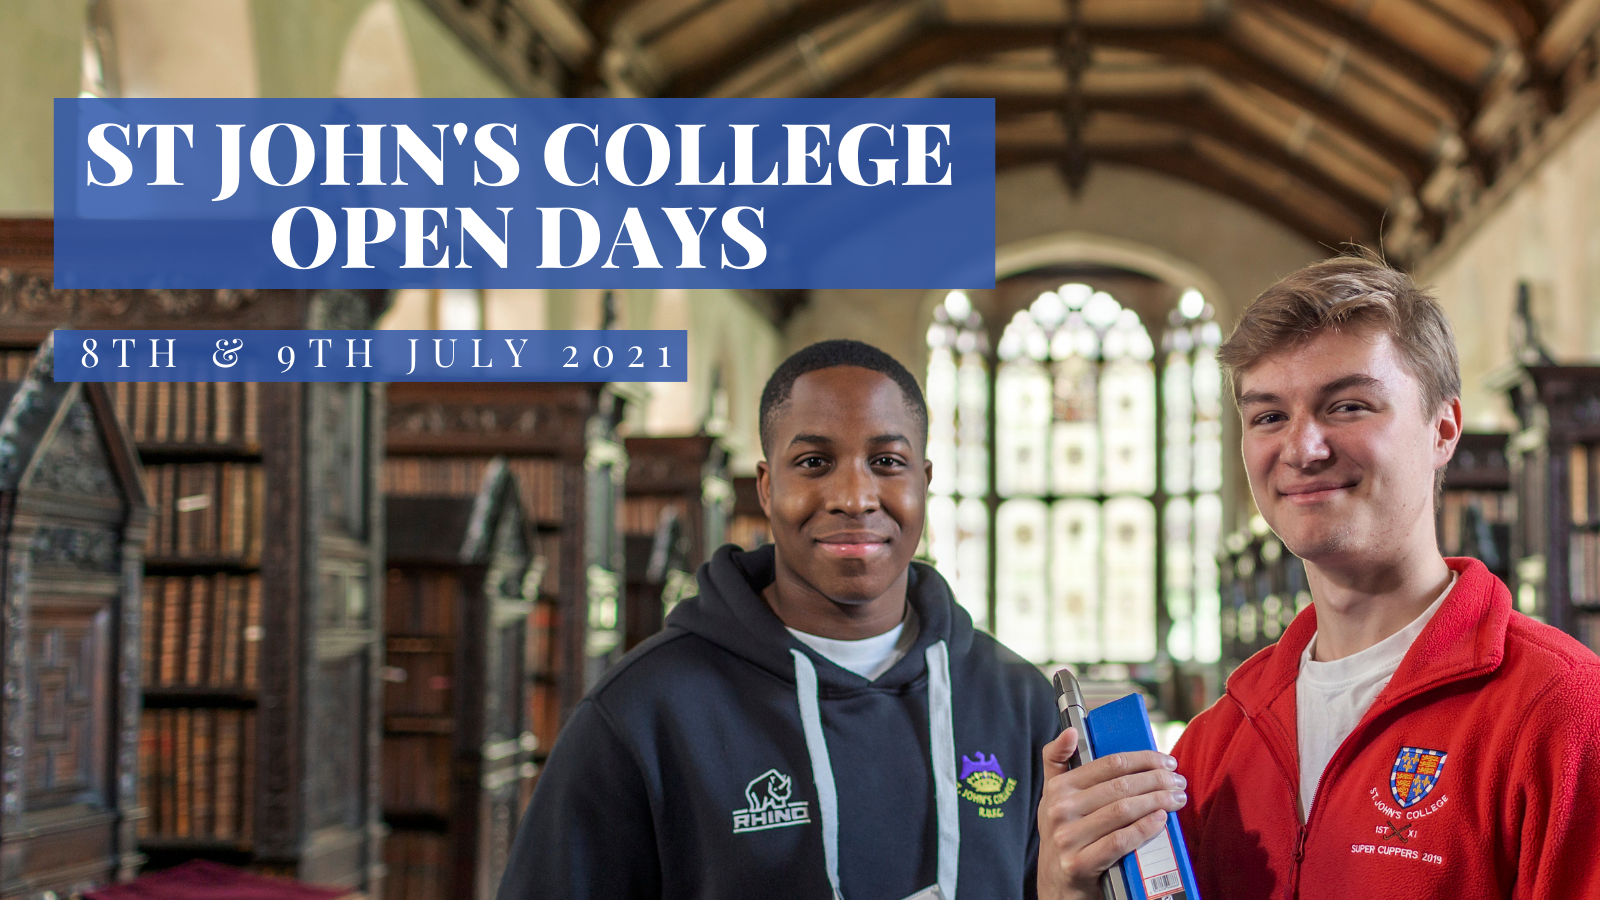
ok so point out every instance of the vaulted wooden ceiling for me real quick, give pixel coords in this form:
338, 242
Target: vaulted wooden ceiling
1342, 119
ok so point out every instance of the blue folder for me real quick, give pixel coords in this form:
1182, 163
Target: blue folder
1160, 869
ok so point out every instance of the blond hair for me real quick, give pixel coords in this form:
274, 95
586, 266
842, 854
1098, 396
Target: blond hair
1350, 293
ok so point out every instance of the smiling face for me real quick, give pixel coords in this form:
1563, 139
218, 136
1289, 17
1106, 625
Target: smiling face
1340, 453
845, 489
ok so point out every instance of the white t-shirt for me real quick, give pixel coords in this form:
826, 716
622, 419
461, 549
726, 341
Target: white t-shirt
868, 657
1331, 697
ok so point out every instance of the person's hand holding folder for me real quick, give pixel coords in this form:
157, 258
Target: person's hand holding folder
1095, 814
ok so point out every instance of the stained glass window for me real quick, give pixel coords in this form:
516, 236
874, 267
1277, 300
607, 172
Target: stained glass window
1191, 394
958, 445
1106, 476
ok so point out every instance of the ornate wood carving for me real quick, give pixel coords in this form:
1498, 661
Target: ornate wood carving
72, 524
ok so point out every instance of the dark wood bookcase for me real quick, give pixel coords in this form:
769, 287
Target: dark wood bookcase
1478, 510
748, 527
457, 748
1555, 473
259, 739
674, 516
72, 523
560, 442
1263, 586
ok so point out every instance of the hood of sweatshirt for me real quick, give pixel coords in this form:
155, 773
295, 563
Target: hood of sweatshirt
723, 758
731, 613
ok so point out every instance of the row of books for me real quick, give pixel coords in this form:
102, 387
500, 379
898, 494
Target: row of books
190, 412
197, 773
1584, 567
641, 515
205, 510
419, 865
14, 363
544, 712
421, 603
547, 553
201, 630
749, 532
1584, 480
418, 684
1588, 630
1489, 507
541, 643
416, 773
539, 481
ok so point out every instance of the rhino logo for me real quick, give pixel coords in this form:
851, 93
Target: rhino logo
768, 806
769, 790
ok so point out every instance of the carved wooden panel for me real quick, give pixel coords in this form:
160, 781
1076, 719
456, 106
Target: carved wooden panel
68, 662
338, 744
72, 522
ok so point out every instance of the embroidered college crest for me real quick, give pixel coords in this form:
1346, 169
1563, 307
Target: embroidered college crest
983, 782
1415, 773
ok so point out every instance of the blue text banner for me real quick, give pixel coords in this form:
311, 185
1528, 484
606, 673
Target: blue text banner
351, 355
524, 193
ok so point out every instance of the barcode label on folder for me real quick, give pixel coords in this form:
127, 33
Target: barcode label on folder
1158, 868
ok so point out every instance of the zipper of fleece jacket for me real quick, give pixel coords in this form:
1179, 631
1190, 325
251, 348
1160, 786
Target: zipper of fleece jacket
1294, 791
1330, 769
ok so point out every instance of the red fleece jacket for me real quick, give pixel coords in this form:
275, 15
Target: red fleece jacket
1475, 774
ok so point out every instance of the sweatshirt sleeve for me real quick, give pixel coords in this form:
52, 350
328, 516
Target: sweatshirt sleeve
588, 833
1557, 777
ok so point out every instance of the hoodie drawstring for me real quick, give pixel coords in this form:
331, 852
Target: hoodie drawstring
941, 734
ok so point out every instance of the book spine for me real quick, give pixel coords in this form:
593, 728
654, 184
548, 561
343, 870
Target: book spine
202, 411
227, 774
143, 400
223, 427
161, 430
180, 413
171, 629
166, 770
203, 774
149, 628
255, 509
183, 801
247, 777
249, 426
149, 750
194, 657
252, 632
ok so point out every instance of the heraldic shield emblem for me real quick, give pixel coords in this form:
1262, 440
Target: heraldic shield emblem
1415, 773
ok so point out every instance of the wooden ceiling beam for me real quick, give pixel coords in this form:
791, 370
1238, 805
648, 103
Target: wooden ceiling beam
1187, 165
1190, 166
1219, 55
942, 46
775, 32
598, 16
1460, 98
1195, 113
1526, 17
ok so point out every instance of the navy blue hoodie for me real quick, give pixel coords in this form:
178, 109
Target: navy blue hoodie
722, 758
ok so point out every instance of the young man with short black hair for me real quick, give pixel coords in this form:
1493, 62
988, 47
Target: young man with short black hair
822, 720
1410, 736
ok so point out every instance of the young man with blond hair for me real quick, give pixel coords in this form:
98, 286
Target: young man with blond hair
1411, 735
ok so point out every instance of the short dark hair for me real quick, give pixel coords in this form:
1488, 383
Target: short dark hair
827, 355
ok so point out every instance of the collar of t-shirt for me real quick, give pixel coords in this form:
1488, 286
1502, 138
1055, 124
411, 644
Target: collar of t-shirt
868, 657
1331, 697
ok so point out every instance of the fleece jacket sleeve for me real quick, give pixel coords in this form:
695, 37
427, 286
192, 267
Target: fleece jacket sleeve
588, 833
1553, 795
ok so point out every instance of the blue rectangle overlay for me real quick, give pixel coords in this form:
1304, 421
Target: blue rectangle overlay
241, 355
524, 193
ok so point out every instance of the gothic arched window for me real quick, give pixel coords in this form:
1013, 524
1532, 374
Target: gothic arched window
1104, 492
